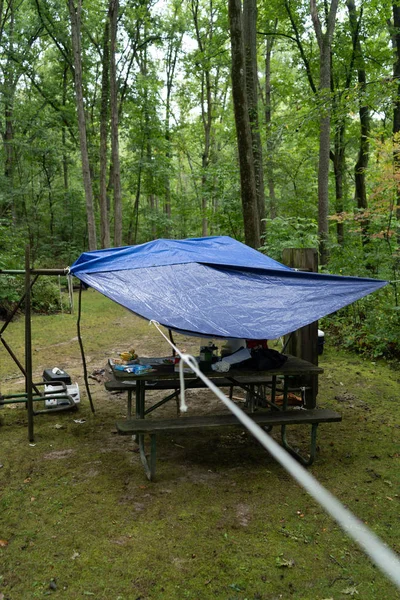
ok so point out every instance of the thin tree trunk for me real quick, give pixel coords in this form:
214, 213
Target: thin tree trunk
396, 110
363, 153
268, 125
243, 133
104, 119
171, 59
324, 42
8, 136
206, 114
114, 7
250, 44
338, 168
75, 16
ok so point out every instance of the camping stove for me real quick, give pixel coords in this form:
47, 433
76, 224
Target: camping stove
56, 378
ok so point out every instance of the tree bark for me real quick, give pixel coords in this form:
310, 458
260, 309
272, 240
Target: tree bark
206, 112
171, 59
104, 121
113, 13
243, 133
268, 125
75, 17
396, 109
338, 160
324, 42
250, 44
363, 153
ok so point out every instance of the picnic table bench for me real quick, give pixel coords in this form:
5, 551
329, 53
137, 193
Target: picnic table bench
277, 380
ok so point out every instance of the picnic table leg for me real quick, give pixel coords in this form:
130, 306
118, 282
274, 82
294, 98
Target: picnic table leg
313, 441
306, 462
129, 408
149, 466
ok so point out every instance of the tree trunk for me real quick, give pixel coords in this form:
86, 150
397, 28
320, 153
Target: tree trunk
396, 110
113, 12
9, 85
323, 160
243, 133
250, 44
324, 42
268, 126
75, 16
363, 153
338, 168
171, 60
206, 114
104, 120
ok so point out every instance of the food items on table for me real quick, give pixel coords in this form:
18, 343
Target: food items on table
129, 355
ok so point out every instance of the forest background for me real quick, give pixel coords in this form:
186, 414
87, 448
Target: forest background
277, 124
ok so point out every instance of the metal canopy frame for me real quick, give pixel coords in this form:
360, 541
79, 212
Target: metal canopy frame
32, 392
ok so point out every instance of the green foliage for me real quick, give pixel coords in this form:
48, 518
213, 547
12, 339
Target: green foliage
289, 232
370, 326
9, 294
45, 295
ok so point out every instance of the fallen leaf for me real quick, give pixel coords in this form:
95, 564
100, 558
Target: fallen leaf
283, 563
32, 445
27, 480
236, 587
3, 543
350, 591
58, 426
75, 555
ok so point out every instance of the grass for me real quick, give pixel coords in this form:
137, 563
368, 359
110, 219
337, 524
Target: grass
78, 519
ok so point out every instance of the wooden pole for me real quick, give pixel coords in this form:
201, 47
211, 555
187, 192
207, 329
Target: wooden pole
303, 343
28, 345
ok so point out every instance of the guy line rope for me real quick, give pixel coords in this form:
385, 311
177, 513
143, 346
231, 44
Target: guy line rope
378, 552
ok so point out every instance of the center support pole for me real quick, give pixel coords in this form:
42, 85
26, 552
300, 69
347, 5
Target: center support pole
28, 344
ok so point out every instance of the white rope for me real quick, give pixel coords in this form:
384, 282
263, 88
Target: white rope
379, 553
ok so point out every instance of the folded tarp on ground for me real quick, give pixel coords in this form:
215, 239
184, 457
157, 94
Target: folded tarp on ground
216, 287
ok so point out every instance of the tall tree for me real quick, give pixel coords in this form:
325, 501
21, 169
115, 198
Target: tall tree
116, 174
75, 12
324, 39
250, 44
243, 131
363, 152
396, 108
104, 127
268, 124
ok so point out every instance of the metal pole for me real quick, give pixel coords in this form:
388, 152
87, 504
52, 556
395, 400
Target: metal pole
28, 344
78, 325
34, 271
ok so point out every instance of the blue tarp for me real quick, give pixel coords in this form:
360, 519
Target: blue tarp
216, 287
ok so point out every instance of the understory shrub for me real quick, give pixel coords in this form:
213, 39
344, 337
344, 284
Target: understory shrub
45, 295
370, 326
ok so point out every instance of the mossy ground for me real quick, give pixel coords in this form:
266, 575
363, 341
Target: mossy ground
78, 518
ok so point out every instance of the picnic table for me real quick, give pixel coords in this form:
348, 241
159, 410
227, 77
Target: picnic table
262, 408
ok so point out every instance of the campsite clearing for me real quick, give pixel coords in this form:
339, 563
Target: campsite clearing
223, 521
